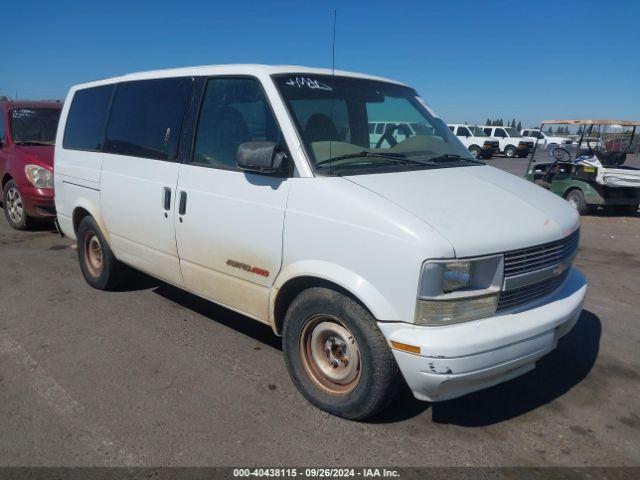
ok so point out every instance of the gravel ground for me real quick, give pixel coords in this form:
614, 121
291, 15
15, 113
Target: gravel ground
155, 376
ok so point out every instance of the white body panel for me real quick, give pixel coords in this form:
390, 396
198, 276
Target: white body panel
369, 234
231, 216
131, 202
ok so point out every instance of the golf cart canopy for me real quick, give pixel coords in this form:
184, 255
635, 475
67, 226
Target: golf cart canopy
622, 123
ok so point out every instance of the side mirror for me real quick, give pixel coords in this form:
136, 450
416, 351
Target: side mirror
260, 157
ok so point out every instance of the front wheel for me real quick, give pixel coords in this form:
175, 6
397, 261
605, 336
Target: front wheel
576, 199
336, 355
510, 151
13, 207
475, 151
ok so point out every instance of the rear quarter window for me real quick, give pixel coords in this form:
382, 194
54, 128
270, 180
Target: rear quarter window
84, 129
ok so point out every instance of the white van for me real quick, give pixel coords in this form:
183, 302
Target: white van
512, 143
477, 142
399, 131
255, 187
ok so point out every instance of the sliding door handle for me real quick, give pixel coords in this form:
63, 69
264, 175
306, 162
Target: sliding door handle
182, 209
167, 199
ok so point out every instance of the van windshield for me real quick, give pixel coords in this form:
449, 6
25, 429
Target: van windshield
355, 126
34, 126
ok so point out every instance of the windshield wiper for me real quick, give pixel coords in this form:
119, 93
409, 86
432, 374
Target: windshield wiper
397, 157
451, 157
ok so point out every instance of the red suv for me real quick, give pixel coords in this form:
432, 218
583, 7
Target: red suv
27, 138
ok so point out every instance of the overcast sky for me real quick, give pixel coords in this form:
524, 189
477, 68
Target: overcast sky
469, 59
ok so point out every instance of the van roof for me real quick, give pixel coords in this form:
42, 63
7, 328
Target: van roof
231, 69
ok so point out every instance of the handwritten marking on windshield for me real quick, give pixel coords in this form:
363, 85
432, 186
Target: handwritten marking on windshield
307, 82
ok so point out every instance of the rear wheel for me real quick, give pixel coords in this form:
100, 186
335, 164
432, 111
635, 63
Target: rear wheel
510, 151
336, 355
576, 199
13, 207
99, 266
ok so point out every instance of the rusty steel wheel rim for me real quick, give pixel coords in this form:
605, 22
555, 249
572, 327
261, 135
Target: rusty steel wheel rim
93, 258
330, 355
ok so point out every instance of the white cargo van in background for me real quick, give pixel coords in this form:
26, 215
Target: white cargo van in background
512, 143
473, 137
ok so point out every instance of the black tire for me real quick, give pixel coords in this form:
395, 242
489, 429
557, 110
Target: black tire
510, 151
378, 377
576, 198
13, 207
110, 273
475, 151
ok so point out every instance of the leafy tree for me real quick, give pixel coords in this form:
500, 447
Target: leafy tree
519, 127
488, 122
550, 130
513, 123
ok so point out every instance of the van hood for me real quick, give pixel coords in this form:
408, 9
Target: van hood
42, 155
478, 209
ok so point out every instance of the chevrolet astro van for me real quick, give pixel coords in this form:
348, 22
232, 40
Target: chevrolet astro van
256, 187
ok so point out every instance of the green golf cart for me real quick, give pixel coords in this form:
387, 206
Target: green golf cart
588, 168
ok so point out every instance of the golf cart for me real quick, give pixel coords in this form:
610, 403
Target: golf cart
590, 172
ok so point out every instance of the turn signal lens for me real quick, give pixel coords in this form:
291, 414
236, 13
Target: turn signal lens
446, 312
405, 347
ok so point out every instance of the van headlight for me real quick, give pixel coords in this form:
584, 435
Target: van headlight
39, 177
454, 291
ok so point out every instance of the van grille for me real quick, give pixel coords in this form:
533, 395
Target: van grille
523, 295
526, 260
529, 259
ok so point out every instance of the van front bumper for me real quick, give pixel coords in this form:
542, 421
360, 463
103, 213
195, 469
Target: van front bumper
462, 358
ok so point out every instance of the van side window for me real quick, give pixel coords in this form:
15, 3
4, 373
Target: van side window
463, 132
500, 133
451, 127
86, 119
487, 131
146, 117
233, 111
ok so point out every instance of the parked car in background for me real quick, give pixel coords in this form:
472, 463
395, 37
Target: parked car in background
27, 138
545, 139
251, 186
474, 138
399, 131
512, 142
